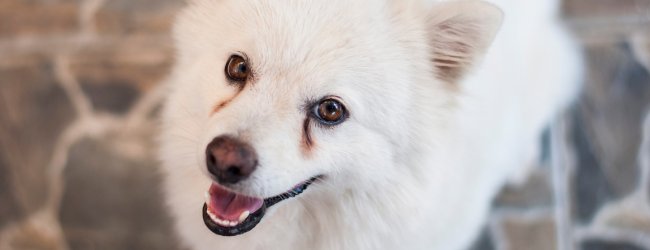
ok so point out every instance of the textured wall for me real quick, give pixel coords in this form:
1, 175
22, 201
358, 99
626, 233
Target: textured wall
79, 91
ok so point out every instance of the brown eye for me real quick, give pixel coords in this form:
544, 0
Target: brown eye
237, 69
330, 112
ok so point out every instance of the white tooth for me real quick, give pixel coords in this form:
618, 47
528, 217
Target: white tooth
244, 216
207, 197
213, 217
227, 223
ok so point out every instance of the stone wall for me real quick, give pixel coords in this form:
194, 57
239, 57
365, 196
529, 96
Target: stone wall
80, 88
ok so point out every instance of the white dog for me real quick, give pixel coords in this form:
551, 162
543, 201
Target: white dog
399, 119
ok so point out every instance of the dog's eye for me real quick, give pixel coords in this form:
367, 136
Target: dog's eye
237, 69
330, 112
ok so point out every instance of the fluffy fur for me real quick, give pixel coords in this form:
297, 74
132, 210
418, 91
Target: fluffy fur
446, 101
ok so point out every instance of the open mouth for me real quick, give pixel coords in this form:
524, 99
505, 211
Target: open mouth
229, 214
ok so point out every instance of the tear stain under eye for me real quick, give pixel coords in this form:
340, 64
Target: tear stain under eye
307, 142
223, 104
220, 106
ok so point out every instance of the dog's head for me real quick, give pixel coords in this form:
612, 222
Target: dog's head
270, 97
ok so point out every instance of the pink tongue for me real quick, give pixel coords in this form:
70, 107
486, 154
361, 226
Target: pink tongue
229, 206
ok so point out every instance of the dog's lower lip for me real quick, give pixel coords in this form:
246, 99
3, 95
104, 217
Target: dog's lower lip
256, 216
243, 227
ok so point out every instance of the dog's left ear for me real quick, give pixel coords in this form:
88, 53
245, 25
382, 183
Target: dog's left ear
460, 32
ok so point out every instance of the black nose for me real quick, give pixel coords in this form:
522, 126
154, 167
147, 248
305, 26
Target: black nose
230, 160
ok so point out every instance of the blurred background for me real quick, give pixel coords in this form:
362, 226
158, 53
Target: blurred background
79, 93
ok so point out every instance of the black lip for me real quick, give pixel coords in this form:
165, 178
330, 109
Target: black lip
254, 218
242, 228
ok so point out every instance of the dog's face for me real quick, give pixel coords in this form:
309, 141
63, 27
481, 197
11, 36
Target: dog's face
270, 97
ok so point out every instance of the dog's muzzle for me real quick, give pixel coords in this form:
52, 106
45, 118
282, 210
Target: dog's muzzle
227, 213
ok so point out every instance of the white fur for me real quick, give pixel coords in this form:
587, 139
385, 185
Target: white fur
420, 158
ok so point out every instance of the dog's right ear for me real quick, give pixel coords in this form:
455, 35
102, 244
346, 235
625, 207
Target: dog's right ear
460, 32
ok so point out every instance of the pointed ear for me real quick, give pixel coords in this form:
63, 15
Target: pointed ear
460, 32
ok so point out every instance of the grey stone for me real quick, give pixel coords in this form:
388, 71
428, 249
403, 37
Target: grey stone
33, 17
530, 233
629, 215
114, 76
634, 221
535, 193
609, 245
10, 209
35, 111
591, 190
607, 128
115, 97
126, 17
113, 197
605, 9
31, 235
